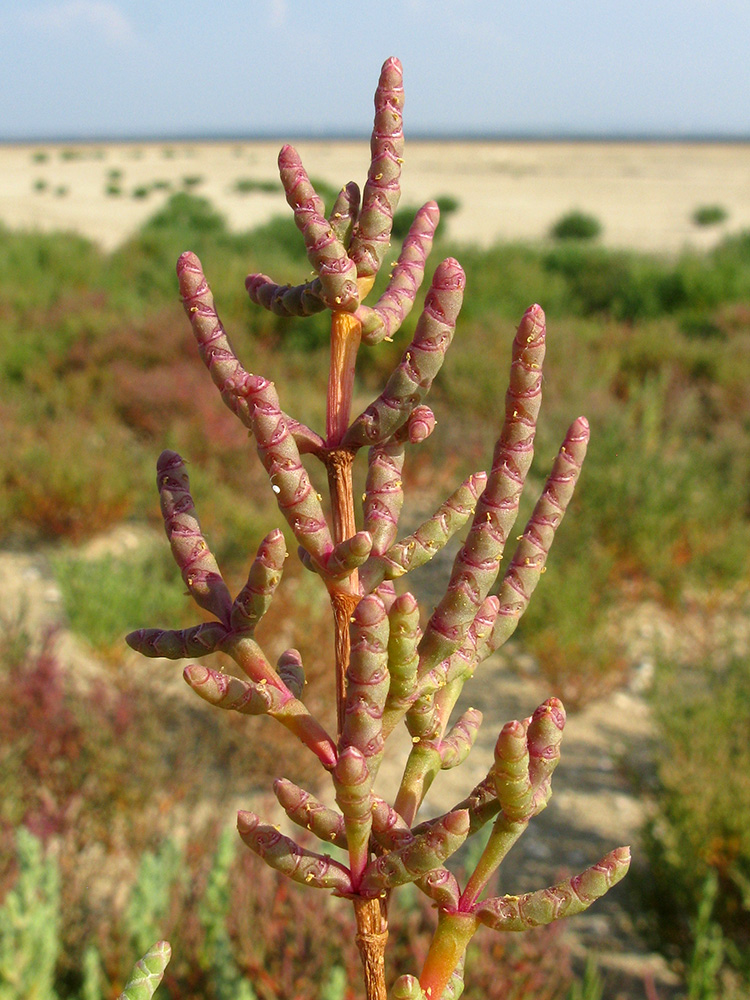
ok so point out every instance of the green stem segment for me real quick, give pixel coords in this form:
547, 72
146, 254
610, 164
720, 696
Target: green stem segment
452, 936
504, 835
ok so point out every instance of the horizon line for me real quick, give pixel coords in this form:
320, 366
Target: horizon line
446, 137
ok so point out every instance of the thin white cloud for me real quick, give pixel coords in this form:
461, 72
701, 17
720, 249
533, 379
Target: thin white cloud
278, 13
104, 17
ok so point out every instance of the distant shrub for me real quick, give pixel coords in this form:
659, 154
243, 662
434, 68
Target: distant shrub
113, 190
247, 185
576, 225
40, 185
61, 191
188, 214
142, 191
447, 204
192, 180
40, 156
709, 215
114, 174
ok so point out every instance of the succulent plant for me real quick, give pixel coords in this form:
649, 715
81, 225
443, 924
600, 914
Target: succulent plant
392, 666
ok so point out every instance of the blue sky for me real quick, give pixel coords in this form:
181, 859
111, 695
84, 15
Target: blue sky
119, 68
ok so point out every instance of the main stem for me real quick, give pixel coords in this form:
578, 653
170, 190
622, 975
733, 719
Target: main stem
346, 332
370, 914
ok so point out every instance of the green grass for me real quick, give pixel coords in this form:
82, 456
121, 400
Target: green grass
108, 597
698, 839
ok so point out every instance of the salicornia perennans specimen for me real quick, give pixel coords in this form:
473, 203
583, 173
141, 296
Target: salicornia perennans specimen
389, 669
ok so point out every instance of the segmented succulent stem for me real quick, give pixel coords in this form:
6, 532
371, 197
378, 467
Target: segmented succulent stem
407, 988
147, 973
367, 681
348, 555
372, 234
522, 787
403, 659
384, 494
228, 692
345, 213
412, 379
455, 747
316, 870
305, 299
327, 254
477, 564
306, 811
530, 556
353, 784
423, 854
178, 644
382, 320
255, 598
432, 535
290, 670
564, 899
254, 400
191, 553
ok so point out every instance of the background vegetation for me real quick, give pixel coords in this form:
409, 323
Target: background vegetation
99, 373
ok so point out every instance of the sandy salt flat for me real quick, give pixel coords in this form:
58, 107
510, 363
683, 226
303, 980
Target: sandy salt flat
643, 193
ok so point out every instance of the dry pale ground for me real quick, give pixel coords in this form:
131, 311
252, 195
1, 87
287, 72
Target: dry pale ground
643, 193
